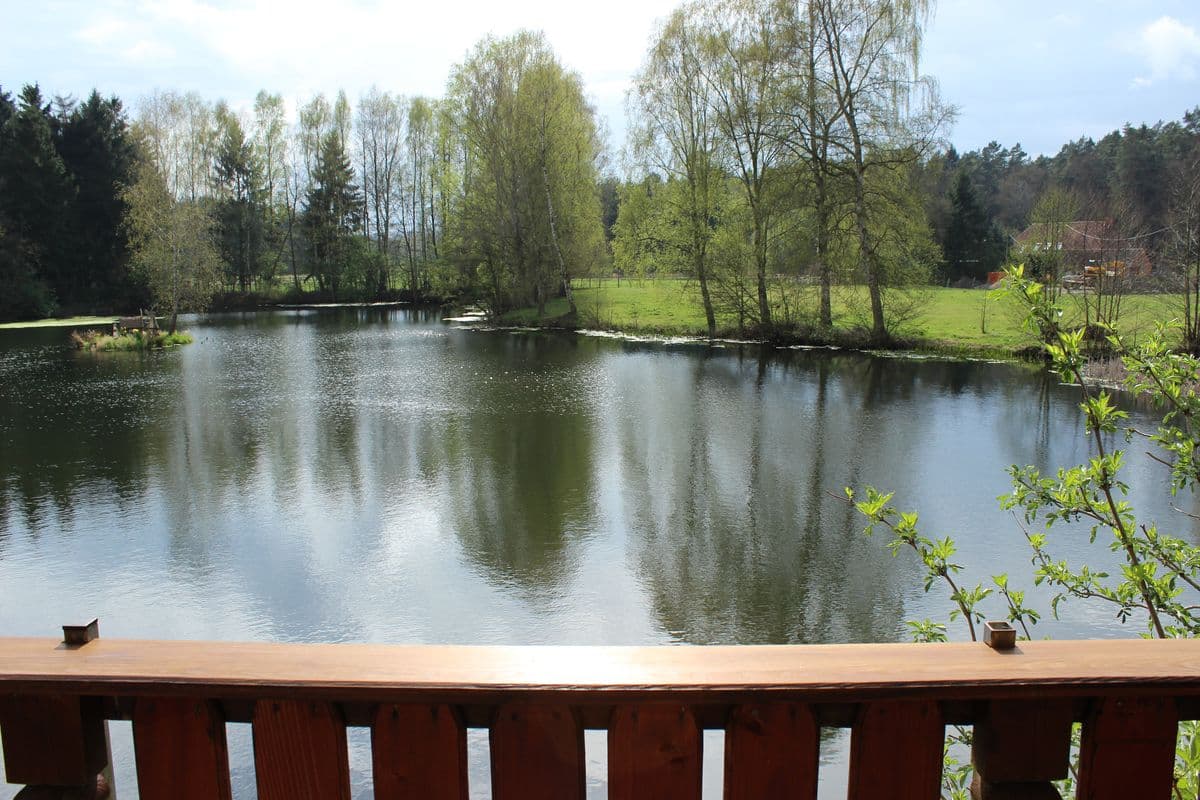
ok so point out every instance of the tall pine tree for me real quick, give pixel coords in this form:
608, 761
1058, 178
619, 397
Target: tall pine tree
240, 210
973, 245
333, 213
99, 153
37, 192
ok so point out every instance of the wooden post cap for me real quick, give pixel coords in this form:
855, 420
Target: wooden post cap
999, 635
81, 634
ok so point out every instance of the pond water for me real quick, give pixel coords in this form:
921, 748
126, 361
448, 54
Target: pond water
377, 475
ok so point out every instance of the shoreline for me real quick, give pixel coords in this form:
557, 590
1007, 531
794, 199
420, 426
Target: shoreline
915, 347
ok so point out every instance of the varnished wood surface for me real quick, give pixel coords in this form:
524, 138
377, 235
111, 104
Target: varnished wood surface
896, 751
1127, 750
655, 752
419, 752
772, 750
1023, 742
55, 741
383, 673
180, 750
300, 751
537, 753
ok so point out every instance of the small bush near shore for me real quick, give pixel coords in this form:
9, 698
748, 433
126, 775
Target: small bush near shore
134, 340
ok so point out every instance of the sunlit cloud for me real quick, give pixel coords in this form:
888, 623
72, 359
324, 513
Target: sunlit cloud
1171, 50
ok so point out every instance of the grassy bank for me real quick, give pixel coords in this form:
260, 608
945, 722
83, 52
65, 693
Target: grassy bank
967, 322
65, 322
134, 340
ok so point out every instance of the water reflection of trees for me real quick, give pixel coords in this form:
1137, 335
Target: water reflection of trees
519, 479
285, 454
732, 530
72, 420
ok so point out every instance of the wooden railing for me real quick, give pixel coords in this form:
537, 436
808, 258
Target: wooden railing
653, 701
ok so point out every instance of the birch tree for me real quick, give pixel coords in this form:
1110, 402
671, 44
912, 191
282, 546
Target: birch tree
172, 244
528, 209
380, 126
810, 117
890, 115
674, 133
746, 75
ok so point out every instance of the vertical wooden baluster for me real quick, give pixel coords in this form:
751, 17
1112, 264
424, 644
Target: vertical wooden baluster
300, 751
1128, 749
654, 752
771, 751
537, 753
1020, 747
419, 752
896, 751
180, 751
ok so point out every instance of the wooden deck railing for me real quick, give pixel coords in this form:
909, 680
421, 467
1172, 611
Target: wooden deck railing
653, 701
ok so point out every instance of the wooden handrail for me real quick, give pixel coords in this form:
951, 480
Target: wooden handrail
653, 701
832, 673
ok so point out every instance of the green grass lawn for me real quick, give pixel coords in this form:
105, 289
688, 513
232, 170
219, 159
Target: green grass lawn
971, 320
66, 322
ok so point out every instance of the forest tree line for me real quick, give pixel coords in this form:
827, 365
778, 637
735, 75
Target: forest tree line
776, 150
490, 193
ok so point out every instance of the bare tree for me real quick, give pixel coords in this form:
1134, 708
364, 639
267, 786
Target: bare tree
380, 125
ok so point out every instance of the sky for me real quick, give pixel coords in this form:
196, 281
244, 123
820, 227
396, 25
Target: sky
1038, 73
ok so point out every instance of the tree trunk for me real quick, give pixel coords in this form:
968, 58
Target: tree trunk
760, 259
562, 266
867, 263
823, 267
705, 296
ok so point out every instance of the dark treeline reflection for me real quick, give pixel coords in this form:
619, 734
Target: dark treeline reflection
374, 474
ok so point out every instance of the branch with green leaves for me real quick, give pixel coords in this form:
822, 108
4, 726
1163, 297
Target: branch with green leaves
1158, 575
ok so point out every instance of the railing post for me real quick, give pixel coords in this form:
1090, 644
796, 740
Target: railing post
1019, 748
1128, 749
57, 745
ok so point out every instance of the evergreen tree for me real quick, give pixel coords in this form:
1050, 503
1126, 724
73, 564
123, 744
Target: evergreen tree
1140, 179
972, 244
37, 191
98, 152
22, 294
240, 210
332, 214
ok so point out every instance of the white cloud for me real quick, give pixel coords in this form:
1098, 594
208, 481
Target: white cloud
298, 47
148, 50
103, 32
1171, 49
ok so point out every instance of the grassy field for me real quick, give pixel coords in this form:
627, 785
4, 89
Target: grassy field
66, 322
963, 320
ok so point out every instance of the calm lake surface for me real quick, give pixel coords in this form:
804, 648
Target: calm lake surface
377, 475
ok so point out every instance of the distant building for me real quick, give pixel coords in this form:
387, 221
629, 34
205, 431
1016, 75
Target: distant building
1087, 245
